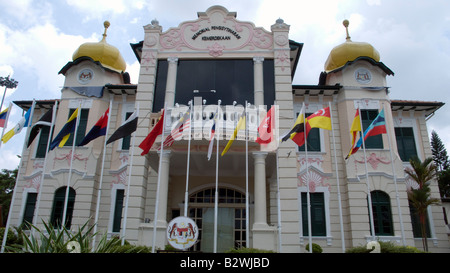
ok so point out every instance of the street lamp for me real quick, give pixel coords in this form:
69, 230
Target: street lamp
7, 83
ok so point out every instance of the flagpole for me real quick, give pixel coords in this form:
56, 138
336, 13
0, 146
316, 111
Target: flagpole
395, 183
6, 122
278, 203
369, 197
337, 182
13, 198
216, 201
41, 184
276, 136
125, 218
66, 198
186, 193
308, 198
159, 180
99, 192
247, 218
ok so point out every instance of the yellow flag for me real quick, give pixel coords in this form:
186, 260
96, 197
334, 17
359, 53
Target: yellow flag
320, 119
240, 126
7, 136
354, 129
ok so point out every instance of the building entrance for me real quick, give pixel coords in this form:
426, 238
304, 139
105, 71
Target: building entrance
230, 219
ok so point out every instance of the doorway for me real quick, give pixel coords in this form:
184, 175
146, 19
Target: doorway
231, 219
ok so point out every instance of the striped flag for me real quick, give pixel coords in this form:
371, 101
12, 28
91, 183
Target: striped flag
23, 122
184, 123
377, 127
211, 138
98, 130
297, 133
3, 116
65, 132
126, 129
354, 130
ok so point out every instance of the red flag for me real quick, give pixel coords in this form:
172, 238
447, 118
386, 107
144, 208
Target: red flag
99, 129
150, 139
265, 129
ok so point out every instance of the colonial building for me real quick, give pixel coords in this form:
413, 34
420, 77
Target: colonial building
218, 57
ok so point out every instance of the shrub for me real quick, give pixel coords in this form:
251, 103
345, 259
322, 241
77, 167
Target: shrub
128, 248
315, 248
385, 247
248, 250
11, 239
54, 240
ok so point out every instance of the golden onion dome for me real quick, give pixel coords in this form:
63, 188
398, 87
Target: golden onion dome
349, 51
108, 55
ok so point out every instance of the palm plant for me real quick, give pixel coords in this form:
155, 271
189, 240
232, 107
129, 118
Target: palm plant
422, 173
60, 240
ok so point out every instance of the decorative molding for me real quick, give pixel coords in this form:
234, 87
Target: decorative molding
282, 59
367, 104
313, 179
373, 160
120, 175
148, 59
216, 31
281, 40
33, 181
68, 157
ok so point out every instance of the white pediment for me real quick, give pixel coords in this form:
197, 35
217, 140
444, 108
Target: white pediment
216, 31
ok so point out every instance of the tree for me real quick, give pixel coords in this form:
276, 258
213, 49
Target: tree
439, 152
7, 183
422, 173
444, 183
440, 159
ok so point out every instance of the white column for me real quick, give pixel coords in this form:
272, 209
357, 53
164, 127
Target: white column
171, 81
163, 188
260, 190
258, 80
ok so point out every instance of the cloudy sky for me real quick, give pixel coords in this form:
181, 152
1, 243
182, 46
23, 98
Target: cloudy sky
38, 37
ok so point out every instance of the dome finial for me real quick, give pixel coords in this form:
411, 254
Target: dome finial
106, 24
346, 23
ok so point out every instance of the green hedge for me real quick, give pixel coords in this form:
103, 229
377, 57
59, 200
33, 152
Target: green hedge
385, 247
248, 250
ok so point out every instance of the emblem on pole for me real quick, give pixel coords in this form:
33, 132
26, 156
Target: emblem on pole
182, 233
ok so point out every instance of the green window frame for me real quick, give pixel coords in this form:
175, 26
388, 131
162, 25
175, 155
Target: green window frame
28, 213
406, 144
42, 143
58, 207
382, 214
318, 220
118, 207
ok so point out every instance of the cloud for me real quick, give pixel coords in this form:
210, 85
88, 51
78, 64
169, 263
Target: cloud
9, 159
96, 8
40, 51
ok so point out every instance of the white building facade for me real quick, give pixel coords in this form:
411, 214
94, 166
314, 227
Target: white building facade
218, 57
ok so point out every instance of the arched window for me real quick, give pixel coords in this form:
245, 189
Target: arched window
382, 215
226, 195
58, 207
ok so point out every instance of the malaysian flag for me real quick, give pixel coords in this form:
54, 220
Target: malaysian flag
184, 123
